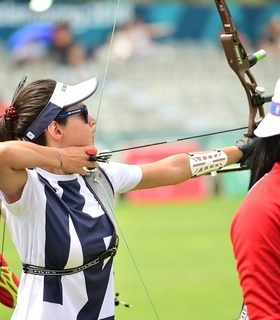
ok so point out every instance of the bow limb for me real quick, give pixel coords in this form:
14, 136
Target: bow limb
241, 63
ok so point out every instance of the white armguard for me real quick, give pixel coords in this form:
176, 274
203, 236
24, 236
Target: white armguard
211, 161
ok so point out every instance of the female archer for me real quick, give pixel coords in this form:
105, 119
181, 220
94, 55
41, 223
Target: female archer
60, 214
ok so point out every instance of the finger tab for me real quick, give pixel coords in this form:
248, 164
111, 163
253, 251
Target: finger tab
91, 152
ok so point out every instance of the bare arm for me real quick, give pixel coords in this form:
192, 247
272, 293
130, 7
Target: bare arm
16, 156
175, 169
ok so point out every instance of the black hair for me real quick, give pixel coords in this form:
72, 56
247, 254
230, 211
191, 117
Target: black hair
266, 154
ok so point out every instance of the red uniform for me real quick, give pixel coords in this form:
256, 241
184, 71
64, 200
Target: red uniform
8, 284
255, 235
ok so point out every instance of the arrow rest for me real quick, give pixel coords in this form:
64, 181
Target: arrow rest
102, 157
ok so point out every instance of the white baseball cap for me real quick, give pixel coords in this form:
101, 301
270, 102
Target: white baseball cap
270, 125
63, 96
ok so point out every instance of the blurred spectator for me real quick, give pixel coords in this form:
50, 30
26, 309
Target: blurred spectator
30, 42
137, 39
65, 49
270, 38
40, 40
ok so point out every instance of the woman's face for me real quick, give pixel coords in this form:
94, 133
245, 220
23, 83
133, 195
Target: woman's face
80, 127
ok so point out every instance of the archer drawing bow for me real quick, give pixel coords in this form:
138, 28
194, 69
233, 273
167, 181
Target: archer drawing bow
241, 63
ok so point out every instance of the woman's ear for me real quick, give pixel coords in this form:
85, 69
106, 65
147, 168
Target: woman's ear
55, 131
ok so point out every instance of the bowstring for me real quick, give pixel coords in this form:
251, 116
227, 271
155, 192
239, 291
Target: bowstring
138, 271
97, 116
107, 61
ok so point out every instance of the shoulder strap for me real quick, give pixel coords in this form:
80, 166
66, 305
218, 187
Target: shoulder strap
99, 184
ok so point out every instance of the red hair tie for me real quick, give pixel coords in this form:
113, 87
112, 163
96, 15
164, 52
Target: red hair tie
11, 114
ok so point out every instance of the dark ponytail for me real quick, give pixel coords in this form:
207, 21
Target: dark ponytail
26, 107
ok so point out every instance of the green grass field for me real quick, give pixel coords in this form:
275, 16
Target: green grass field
183, 254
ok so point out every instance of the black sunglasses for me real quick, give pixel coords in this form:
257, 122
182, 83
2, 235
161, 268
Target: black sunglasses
69, 113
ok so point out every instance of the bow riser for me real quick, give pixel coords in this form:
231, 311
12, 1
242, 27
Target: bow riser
241, 63
238, 61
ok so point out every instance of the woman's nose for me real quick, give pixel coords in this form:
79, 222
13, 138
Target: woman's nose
91, 121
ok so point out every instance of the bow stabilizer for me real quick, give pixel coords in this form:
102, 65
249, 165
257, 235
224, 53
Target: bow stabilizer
241, 63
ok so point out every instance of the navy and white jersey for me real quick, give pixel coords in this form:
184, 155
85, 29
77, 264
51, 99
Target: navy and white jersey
58, 224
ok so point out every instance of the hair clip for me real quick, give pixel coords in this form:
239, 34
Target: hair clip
19, 87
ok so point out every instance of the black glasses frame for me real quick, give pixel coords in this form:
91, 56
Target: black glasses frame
83, 110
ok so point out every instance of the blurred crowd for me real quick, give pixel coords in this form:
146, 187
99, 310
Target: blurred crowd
57, 42
39, 43
148, 73
270, 37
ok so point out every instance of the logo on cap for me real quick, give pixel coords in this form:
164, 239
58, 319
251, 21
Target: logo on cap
275, 109
30, 135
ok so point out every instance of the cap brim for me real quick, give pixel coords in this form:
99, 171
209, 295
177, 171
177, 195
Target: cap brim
269, 126
65, 95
